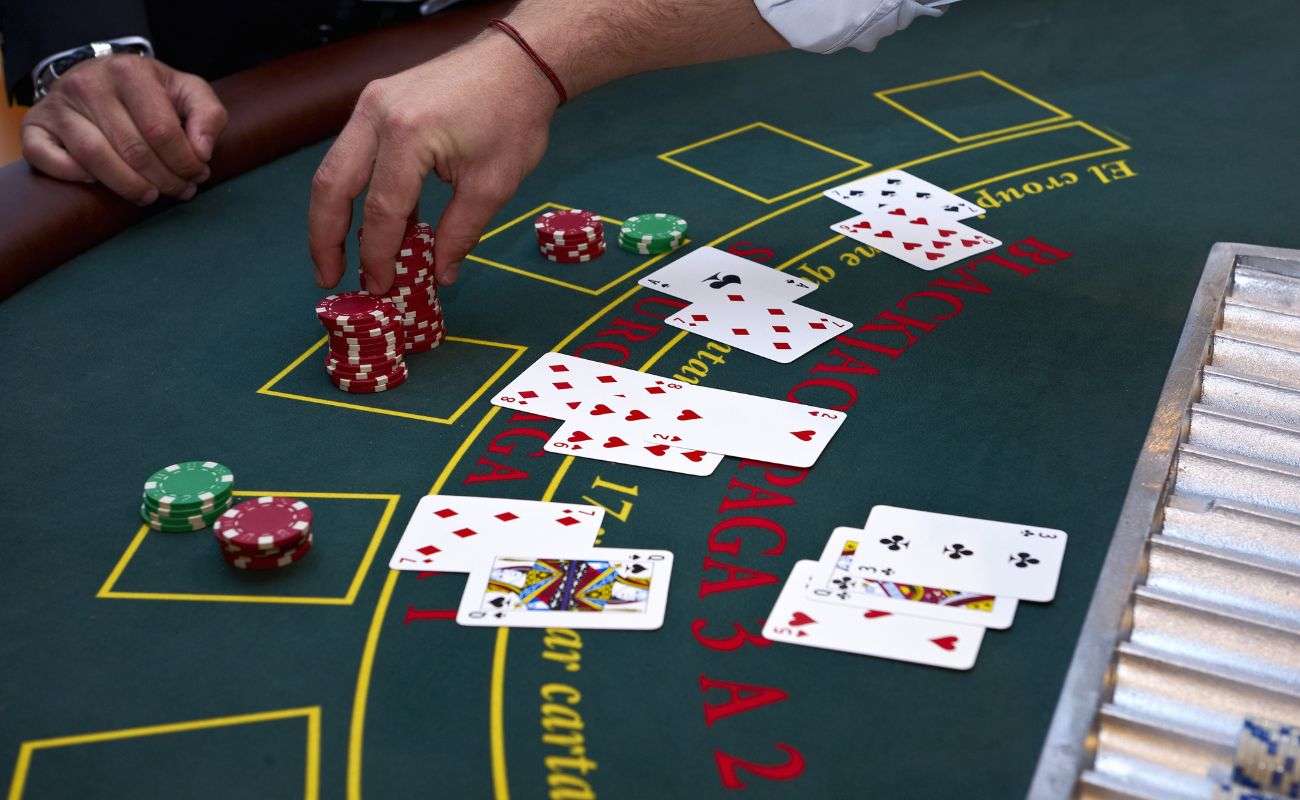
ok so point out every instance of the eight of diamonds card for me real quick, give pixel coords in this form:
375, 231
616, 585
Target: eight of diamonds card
867, 631
448, 533
920, 239
556, 385
834, 582
781, 332
598, 587
717, 421
975, 555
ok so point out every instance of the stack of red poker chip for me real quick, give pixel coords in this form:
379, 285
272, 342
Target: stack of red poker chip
366, 342
264, 533
570, 237
415, 292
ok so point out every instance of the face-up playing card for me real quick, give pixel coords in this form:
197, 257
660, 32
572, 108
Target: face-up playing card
867, 631
717, 421
833, 582
916, 237
596, 587
976, 555
886, 190
781, 332
710, 275
448, 533
556, 385
577, 437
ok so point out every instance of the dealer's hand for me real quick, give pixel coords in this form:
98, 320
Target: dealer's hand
134, 124
477, 117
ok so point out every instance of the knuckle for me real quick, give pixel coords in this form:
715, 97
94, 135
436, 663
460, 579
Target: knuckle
402, 121
123, 66
136, 154
160, 131
323, 182
377, 207
373, 97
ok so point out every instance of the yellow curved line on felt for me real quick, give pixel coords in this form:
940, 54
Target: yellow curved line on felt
500, 778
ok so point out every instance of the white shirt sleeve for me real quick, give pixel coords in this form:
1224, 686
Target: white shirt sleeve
824, 26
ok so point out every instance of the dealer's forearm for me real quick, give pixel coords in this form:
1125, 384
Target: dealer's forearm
597, 41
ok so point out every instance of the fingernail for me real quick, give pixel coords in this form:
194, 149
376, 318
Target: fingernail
204, 175
451, 274
149, 197
190, 191
205, 147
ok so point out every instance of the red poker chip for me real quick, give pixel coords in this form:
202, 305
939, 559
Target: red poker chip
567, 227
362, 386
581, 258
548, 247
374, 346
421, 279
380, 372
345, 359
365, 329
354, 309
367, 356
388, 331
573, 253
419, 300
264, 522
279, 561
426, 345
341, 364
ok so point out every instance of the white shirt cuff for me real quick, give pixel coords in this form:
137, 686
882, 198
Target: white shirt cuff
825, 26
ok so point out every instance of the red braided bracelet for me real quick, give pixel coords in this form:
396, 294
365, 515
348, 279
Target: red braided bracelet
509, 30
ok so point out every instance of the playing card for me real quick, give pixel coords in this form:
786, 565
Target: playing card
833, 582
710, 275
718, 421
867, 631
580, 438
781, 332
975, 555
448, 533
886, 190
918, 238
594, 587
556, 385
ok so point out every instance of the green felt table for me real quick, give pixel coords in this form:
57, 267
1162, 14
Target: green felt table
1111, 144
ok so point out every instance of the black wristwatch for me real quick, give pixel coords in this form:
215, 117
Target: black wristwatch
51, 68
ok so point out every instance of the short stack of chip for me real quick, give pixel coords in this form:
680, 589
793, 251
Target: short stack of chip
570, 237
264, 533
187, 496
651, 234
366, 342
415, 291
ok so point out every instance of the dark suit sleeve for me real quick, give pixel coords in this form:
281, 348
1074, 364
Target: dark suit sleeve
33, 30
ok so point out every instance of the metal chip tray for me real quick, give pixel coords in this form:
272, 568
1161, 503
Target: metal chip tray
1195, 623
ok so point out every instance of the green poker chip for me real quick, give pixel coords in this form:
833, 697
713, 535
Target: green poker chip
182, 524
189, 486
656, 228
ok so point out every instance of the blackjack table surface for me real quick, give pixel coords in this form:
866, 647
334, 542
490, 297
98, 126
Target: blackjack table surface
1110, 145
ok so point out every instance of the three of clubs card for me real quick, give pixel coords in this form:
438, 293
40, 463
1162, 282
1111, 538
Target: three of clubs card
917, 586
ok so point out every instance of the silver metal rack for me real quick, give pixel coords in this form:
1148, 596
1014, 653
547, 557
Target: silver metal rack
1195, 623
